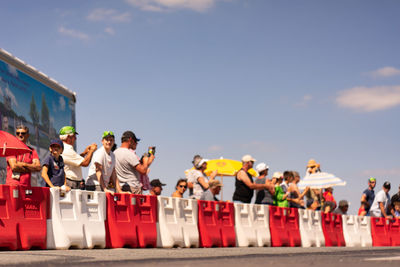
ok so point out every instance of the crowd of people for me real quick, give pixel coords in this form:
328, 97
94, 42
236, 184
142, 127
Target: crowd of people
121, 170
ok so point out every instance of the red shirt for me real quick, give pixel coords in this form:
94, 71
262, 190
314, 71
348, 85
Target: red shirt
328, 197
24, 177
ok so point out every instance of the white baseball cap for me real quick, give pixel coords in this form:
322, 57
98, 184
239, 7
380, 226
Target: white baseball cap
202, 161
261, 167
247, 158
277, 175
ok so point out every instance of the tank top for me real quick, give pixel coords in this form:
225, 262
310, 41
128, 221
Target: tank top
242, 192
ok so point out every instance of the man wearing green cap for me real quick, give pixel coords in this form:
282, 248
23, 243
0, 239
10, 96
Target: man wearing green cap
73, 162
367, 197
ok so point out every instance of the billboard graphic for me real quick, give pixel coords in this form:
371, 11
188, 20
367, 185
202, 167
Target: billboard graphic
25, 100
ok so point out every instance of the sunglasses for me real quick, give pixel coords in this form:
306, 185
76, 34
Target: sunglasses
21, 133
183, 186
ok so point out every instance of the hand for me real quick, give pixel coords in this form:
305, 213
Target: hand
109, 191
213, 174
93, 147
67, 188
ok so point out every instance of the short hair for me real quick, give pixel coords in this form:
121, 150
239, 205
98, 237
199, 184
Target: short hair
180, 181
295, 174
22, 127
287, 175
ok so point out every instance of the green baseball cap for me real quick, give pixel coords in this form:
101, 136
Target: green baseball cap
372, 179
67, 130
107, 134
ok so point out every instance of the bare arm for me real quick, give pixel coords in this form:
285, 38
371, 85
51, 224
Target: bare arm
142, 167
382, 207
88, 155
17, 166
203, 183
242, 176
115, 181
271, 187
45, 176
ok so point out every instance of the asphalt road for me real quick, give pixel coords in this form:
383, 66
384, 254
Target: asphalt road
296, 257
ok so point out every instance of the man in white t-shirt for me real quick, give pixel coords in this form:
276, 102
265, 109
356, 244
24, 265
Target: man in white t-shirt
102, 167
381, 202
128, 166
73, 162
198, 178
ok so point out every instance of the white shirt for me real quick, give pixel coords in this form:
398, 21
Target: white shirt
107, 161
72, 163
193, 177
383, 197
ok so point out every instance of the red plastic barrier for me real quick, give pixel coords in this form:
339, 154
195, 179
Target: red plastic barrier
284, 227
216, 224
23, 216
131, 221
332, 226
394, 232
380, 232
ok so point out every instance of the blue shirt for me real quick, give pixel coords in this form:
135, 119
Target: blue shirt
370, 197
55, 170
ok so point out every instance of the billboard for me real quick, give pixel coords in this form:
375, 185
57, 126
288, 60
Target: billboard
32, 100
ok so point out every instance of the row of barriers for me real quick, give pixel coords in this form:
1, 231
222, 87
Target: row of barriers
43, 218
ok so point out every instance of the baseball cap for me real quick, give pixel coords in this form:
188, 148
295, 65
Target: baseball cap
130, 134
107, 134
386, 185
261, 167
67, 130
247, 158
156, 182
57, 142
215, 183
277, 175
371, 179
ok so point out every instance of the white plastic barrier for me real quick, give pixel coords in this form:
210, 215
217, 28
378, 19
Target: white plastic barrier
177, 222
357, 231
311, 228
252, 225
76, 219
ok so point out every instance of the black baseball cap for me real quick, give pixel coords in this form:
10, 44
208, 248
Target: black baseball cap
156, 182
386, 185
129, 134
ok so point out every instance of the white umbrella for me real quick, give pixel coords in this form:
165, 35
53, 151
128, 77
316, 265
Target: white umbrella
320, 180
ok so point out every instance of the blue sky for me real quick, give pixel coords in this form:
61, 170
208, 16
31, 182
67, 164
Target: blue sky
284, 81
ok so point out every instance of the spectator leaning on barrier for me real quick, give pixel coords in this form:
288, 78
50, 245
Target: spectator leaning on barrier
73, 162
280, 197
213, 191
395, 199
199, 179
180, 187
190, 173
244, 185
156, 187
128, 166
53, 166
381, 202
397, 210
264, 196
295, 197
20, 168
329, 202
367, 197
343, 207
102, 167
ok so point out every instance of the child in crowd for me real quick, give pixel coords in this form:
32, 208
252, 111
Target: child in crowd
397, 210
53, 166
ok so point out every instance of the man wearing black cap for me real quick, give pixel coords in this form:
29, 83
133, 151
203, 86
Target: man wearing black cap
128, 166
156, 187
381, 202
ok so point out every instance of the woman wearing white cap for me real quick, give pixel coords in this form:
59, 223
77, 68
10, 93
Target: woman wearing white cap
264, 196
199, 179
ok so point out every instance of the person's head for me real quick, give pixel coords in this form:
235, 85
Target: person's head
68, 135
200, 164
329, 189
288, 176
215, 186
277, 178
156, 186
181, 185
108, 140
371, 183
344, 206
296, 176
56, 147
386, 186
397, 206
248, 162
262, 169
129, 140
196, 159
312, 166
22, 133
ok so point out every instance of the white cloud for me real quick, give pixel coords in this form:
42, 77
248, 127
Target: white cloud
109, 15
73, 33
167, 5
385, 72
215, 148
61, 103
109, 30
368, 99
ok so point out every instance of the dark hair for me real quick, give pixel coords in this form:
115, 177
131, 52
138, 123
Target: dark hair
180, 181
195, 157
127, 135
287, 175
